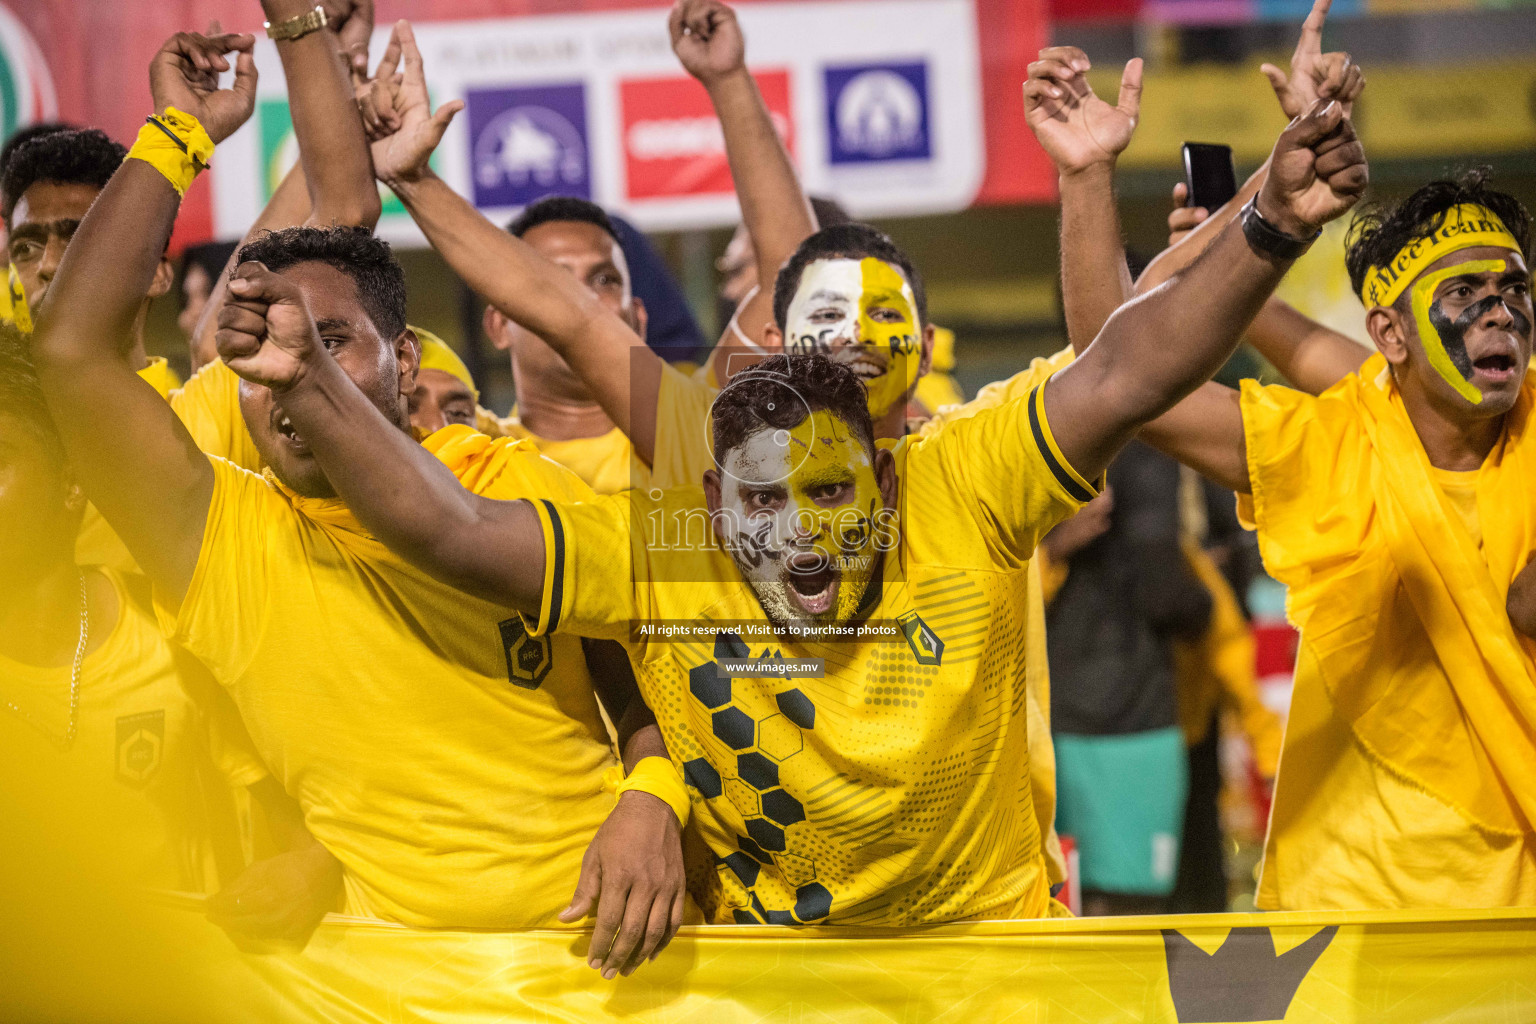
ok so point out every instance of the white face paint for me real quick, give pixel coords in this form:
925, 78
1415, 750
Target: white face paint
825, 310
863, 314
800, 508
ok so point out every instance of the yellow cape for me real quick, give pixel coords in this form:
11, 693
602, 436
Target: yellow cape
1403, 614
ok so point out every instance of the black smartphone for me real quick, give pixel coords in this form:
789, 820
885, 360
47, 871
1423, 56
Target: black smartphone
1209, 173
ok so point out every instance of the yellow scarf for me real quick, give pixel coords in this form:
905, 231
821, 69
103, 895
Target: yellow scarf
1405, 617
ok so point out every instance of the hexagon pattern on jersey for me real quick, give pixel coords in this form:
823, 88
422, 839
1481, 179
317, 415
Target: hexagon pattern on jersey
750, 781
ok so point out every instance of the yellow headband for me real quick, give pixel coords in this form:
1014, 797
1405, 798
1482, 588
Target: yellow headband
1465, 227
436, 355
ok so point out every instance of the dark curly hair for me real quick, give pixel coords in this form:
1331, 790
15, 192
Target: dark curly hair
20, 393
552, 208
777, 391
1379, 233
85, 156
355, 251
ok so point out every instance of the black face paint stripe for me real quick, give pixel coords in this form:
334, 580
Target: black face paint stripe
1453, 333
1060, 472
558, 590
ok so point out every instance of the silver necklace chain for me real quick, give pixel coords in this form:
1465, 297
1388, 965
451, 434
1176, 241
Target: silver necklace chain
74, 680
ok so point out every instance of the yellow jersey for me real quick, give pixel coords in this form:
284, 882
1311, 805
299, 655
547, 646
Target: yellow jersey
139, 771
1041, 585
1393, 768
608, 464
897, 789
209, 406
452, 762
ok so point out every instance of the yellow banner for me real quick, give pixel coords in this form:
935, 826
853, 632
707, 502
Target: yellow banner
1198, 969
1406, 111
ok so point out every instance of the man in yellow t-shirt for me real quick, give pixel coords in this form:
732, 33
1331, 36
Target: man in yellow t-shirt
94, 716
1396, 506
445, 393
450, 761
918, 807
555, 408
50, 182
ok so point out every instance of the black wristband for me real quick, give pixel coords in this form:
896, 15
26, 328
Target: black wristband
1268, 240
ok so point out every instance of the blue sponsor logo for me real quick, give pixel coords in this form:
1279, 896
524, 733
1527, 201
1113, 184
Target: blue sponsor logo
878, 113
528, 142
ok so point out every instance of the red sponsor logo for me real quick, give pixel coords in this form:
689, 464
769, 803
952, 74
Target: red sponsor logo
673, 145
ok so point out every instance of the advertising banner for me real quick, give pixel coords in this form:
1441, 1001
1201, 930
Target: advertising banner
1335, 967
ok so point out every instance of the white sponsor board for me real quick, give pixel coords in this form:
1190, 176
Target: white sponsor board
881, 100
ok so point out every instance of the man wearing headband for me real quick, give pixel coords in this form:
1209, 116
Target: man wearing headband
445, 392
1398, 506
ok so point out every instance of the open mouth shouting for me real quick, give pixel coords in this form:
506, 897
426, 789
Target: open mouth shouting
813, 583
282, 426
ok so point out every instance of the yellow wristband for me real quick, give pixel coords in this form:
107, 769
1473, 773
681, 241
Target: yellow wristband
656, 776
174, 144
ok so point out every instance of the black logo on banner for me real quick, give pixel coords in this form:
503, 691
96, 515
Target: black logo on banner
1243, 980
528, 657
140, 747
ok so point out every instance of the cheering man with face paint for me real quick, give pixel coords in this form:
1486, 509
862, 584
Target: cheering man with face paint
870, 761
1398, 506
848, 293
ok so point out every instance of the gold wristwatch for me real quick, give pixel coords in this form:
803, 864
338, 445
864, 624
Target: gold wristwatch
298, 26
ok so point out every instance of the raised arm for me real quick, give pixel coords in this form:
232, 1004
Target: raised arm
624, 375
133, 456
1312, 356
1084, 136
708, 41
332, 147
409, 499
1159, 348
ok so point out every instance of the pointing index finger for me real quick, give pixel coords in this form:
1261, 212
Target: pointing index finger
1311, 40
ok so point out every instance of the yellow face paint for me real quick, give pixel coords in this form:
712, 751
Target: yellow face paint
1423, 296
805, 507
862, 312
16, 296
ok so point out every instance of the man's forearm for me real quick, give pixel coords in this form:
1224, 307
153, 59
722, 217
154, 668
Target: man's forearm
1095, 280
773, 205
332, 147
1176, 257
107, 269
288, 207
125, 445
409, 499
1158, 348
623, 374
1312, 356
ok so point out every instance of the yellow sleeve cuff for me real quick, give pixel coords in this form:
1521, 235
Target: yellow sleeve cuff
552, 604
1070, 480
